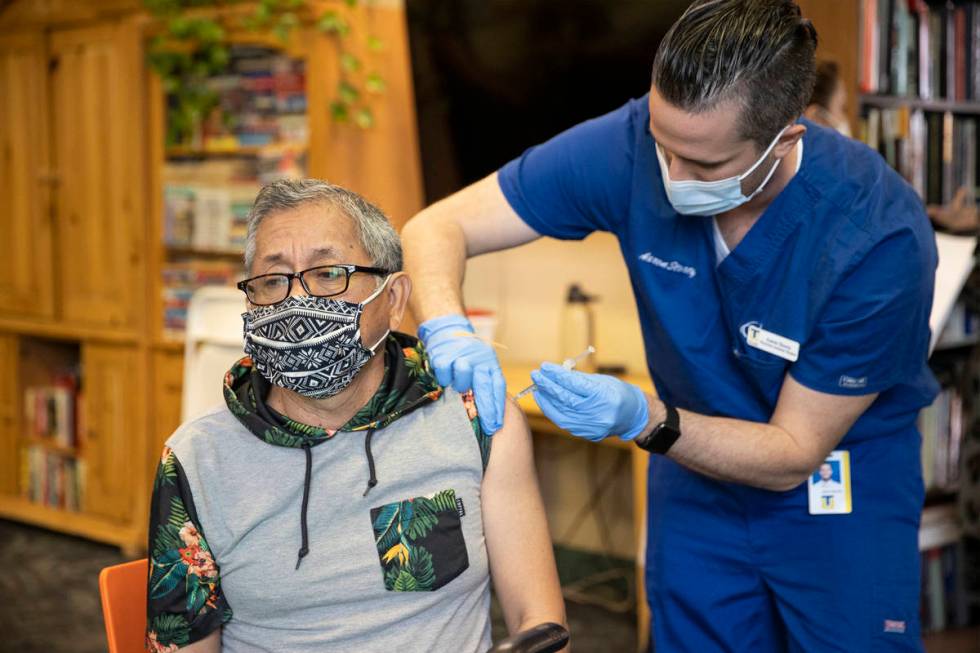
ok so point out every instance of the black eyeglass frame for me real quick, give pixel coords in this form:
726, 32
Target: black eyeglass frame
348, 268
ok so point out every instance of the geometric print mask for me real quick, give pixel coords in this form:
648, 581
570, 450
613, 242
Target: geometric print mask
310, 345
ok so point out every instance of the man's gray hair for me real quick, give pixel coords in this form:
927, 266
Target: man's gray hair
377, 236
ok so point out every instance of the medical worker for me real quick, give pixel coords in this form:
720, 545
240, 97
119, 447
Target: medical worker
783, 276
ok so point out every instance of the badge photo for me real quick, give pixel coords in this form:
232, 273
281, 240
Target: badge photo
829, 487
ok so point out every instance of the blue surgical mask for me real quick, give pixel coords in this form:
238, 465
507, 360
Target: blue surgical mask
695, 197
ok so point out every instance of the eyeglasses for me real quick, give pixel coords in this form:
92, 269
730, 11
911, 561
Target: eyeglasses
321, 281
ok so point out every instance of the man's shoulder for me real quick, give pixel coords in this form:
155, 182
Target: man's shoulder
857, 184
204, 432
864, 206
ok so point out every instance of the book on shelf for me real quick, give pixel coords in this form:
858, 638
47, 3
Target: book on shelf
935, 152
921, 48
941, 426
51, 411
181, 280
261, 102
51, 478
206, 203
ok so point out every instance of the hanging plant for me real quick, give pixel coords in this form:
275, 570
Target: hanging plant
193, 47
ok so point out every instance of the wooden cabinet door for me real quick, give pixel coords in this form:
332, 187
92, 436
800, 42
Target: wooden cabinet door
168, 383
114, 434
98, 110
9, 456
25, 226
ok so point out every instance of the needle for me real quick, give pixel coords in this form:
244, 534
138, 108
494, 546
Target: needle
568, 364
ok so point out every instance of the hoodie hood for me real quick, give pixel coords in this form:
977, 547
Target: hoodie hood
408, 383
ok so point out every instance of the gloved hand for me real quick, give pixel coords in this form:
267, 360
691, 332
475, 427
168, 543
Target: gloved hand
466, 362
591, 406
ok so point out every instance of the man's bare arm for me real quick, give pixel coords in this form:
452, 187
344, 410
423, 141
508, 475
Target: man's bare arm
522, 563
803, 430
210, 644
476, 220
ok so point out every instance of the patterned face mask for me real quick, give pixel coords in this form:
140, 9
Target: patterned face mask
310, 345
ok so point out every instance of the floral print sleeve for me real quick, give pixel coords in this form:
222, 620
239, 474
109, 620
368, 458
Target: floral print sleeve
184, 598
482, 439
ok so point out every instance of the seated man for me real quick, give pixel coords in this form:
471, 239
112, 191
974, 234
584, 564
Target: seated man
336, 441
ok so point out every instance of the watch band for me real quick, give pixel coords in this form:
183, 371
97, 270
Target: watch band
664, 435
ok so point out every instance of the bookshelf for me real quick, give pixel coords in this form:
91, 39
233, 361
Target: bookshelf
82, 128
938, 106
919, 102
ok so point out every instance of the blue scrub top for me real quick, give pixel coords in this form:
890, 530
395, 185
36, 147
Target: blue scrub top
842, 262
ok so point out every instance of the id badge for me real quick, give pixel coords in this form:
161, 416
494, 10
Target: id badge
830, 485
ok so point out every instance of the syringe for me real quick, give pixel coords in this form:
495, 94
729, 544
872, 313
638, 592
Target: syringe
568, 364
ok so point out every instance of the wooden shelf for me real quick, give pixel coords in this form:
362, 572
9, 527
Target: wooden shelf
169, 344
53, 447
181, 152
67, 521
896, 101
222, 254
57, 331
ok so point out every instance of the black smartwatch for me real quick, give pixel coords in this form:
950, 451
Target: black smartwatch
664, 435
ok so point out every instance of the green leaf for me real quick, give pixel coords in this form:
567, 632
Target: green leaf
178, 513
288, 19
166, 471
375, 44
391, 575
404, 582
351, 3
165, 578
332, 23
348, 93
197, 595
420, 566
423, 519
364, 118
444, 501
374, 83
166, 541
339, 111
349, 62
386, 527
171, 629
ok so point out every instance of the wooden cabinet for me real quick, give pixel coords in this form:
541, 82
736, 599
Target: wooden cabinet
25, 228
113, 404
81, 223
168, 378
97, 107
9, 460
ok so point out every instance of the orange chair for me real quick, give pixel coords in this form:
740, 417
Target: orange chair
123, 590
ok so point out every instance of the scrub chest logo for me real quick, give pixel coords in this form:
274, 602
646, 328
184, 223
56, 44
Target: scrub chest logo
670, 266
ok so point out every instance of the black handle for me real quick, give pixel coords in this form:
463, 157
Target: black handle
545, 638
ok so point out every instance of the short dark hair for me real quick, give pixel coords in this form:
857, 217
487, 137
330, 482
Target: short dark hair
828, 76
759, 53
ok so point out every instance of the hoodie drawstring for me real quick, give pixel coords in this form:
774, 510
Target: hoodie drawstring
305, 548
372, 478
372, 481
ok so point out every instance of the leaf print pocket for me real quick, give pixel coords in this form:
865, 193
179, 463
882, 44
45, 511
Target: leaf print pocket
420, 542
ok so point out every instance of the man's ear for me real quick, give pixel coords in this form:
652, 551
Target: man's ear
788, 140
399, 290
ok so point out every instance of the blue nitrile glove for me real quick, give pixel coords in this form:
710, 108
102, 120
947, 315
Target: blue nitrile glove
591, 406
466, 362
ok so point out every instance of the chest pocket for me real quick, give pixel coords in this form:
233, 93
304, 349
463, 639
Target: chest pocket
420, 542
766, 371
